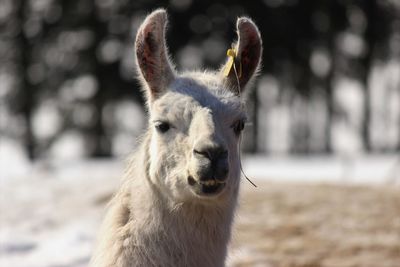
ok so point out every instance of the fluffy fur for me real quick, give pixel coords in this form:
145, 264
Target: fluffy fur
156, 219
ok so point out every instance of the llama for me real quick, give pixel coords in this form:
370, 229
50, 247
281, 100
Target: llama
176, 204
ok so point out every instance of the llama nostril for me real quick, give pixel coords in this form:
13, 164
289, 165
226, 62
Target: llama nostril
221, 172
191, 180
224, 154
212, 153
202, 153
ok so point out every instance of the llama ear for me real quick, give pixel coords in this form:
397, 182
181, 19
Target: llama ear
152, 59
247, 59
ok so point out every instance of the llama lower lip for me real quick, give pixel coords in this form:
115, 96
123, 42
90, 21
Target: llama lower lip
205, 188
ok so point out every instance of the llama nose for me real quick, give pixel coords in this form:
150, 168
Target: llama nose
217, 162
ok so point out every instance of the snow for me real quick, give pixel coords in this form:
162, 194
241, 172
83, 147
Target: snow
13, 160
373, 169
50, 217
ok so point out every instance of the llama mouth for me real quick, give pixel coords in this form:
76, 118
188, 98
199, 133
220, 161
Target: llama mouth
208, 187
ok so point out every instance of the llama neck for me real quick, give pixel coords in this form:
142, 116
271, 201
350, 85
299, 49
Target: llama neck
195, 234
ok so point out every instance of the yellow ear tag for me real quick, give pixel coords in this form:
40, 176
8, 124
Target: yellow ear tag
231, 53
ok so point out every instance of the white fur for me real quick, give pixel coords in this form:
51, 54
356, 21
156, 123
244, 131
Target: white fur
155, 219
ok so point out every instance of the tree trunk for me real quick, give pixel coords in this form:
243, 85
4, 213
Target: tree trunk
26, 89
370, 8
101, 142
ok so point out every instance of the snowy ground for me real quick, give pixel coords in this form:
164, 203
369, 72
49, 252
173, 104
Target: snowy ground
50, 218
49, 212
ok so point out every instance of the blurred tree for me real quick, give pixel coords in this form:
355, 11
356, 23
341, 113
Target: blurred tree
74, 72
27, 90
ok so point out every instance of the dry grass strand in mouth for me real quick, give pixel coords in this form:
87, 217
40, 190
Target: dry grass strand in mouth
240, 163
240, 140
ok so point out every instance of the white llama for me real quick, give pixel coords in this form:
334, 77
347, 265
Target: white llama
176, 205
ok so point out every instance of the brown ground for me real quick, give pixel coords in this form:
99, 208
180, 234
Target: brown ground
278, 225
317, 225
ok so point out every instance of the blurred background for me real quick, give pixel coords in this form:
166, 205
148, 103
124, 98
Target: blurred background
330, 81
329, 91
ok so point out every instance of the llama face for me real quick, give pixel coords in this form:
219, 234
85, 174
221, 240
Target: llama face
195, 118
194, 144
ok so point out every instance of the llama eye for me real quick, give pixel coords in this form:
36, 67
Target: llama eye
162, 126
238, 126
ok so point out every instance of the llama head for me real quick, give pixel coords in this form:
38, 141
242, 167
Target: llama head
196, 118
